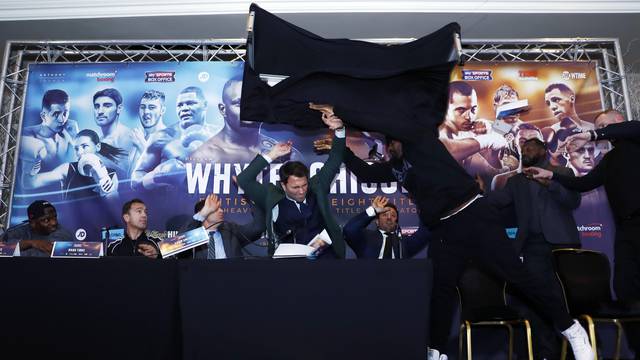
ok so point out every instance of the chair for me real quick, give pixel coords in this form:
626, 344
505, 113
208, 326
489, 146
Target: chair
483, 303
584, 276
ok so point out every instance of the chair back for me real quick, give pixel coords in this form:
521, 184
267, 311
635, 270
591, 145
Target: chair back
479, 289
584, 275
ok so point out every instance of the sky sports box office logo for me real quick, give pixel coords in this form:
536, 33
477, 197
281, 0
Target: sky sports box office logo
159, 76
477, 75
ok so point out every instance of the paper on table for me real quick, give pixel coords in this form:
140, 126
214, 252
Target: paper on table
293, 251
301, 250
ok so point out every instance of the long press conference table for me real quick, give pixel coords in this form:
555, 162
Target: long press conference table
136, 308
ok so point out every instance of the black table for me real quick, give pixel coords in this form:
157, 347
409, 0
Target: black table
122, 308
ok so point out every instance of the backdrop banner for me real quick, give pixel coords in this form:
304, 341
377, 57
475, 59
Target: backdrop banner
503, 104
96, 135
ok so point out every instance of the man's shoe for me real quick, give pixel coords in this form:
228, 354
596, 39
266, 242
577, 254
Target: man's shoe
433, 354
579, 340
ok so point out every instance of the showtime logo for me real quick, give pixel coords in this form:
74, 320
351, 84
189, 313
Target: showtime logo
573, 75
590, 230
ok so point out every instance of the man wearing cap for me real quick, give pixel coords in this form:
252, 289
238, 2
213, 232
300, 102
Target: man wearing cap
37, 234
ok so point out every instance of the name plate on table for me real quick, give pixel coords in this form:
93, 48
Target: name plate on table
9, 250
77, 249
182, 242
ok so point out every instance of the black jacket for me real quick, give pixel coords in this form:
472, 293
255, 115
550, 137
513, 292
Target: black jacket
555, 204
367, 243
128, 247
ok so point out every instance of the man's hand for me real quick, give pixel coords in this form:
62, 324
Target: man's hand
322, 145
318, 244
379, 204
328, 117
280, 149
42, 245
333, 122
323, 108
211, 204
537, 173
577, 141
148, 250
509, 161
540, 175
479, 127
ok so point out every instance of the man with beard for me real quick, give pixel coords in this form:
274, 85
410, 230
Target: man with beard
449, 203
620, 177
523, 132
162, 162
386, 242
544, 212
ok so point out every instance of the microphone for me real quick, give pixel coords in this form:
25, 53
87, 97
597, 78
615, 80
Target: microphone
105, 235
289, 233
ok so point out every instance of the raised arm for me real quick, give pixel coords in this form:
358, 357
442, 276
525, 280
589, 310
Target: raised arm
256, 191
588, 182
332, 166
353, 230
627, 130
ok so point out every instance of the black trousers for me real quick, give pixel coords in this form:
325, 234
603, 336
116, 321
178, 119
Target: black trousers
476, 234
626, 272
538, 259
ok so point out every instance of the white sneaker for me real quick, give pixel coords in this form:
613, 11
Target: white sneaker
579, 341
433, 354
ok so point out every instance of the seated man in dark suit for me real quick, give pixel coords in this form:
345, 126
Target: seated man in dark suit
386, 242
226, 239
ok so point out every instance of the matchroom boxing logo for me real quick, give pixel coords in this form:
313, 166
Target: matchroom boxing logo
101, 76
591, 230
